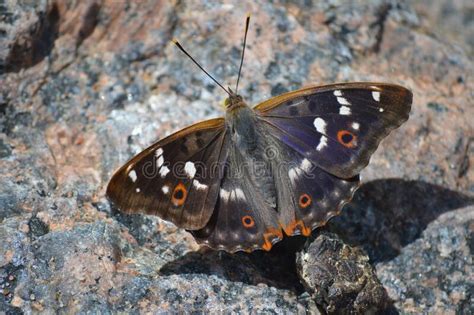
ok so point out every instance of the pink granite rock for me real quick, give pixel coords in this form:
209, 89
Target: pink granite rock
85, 85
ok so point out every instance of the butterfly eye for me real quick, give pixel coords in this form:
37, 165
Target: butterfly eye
346, 138
179, 195
247, 221
305, 201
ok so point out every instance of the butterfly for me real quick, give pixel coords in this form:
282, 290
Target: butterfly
283, 167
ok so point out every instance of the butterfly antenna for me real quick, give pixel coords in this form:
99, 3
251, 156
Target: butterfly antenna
247, 22
200, 67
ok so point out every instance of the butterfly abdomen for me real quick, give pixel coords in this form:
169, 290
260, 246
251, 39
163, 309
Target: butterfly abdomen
240, 123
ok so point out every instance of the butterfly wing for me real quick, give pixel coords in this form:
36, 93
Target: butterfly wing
251, 215
324, 136
243, 218
177, 178
307, 195
337, 127
199, 180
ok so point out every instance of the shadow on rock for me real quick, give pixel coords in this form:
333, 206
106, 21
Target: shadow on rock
386, 215
29, 48
275, 268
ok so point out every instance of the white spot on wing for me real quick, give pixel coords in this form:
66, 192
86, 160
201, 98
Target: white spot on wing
355, 125
137, 190
293, 173
320, 125
343, 101
164, 171
190, 169
238, 194
159, 152
381, 109
133, 175
165, 189
160, 161
337, 93
224, 194
297, 171
198, 185
322, 143
344, 110
305, 165
376, 95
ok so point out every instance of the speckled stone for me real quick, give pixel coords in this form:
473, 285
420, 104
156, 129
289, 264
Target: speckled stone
340, 277
85, 85
435, 274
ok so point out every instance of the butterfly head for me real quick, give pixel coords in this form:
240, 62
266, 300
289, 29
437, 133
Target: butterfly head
233, 101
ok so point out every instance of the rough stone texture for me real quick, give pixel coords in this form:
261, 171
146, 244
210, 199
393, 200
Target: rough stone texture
340, 277
448, 21
84, 85
386, 215
435, 274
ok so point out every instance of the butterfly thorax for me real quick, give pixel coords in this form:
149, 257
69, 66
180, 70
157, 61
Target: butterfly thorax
250, 151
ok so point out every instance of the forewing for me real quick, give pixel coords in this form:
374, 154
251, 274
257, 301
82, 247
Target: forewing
337, 127
176, 178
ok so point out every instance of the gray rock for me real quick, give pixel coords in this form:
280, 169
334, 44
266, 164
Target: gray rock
84, 85
435, 274
387, 215
340, 278
445, 20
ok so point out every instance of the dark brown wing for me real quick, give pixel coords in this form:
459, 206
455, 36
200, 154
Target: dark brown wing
177, 178
243, 219
307, 196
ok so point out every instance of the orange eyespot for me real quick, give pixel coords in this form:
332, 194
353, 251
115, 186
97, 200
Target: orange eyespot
247, 221
179, 195
346, 138
305, 201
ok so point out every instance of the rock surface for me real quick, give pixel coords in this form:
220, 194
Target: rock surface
85, 85
435, 274
340, 277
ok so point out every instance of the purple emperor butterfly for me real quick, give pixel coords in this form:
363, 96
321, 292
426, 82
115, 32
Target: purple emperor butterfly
284, 167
